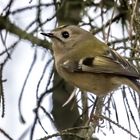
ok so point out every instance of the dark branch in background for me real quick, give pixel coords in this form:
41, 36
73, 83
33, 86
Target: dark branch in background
39, 101
2, 99
3, 39
5, 134
7, 8
23, 87
120, 40
72, 135
47, 114
10, 27
108, 119
67, 132
12, 47
20, 10
115, 19
72, 12
48, 19
130, 111
38, 16
41, 78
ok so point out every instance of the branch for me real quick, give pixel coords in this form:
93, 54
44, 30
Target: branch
10, 27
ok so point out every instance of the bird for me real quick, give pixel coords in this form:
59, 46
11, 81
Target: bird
88, 63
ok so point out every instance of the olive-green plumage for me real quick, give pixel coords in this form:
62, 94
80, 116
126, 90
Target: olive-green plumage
86, 62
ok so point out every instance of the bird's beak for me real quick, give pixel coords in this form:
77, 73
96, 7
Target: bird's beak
48, 34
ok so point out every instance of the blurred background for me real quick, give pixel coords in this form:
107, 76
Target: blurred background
31, 91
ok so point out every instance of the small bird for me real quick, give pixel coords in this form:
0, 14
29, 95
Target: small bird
89, 64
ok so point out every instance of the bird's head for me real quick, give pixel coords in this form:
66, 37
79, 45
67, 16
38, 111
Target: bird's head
67, 36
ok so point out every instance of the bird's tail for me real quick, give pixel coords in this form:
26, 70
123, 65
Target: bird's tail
133, 83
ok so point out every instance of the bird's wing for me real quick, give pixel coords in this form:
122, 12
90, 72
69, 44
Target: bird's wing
112, 63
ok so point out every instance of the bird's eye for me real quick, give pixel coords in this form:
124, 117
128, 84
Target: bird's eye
65, 34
